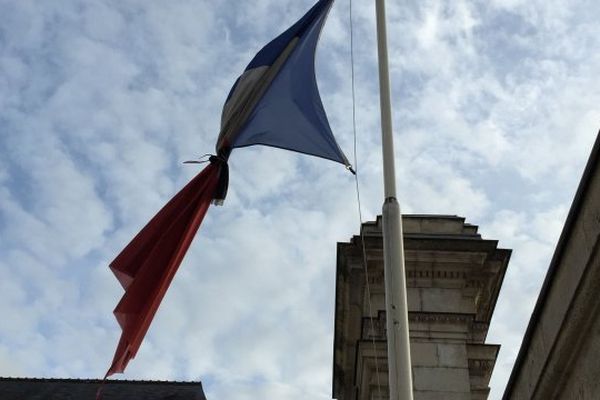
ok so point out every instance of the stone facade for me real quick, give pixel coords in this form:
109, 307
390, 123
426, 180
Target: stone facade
559, 356
453, 279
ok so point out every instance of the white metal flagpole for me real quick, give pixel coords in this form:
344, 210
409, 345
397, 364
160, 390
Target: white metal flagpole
398, 344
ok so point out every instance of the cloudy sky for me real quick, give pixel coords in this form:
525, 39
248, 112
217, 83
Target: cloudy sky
495, 112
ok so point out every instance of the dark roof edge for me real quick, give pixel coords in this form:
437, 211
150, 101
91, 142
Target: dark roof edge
556, 258
107, 382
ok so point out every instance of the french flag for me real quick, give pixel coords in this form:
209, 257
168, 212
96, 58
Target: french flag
275, 102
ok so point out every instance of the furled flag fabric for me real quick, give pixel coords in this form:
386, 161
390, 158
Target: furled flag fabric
147, 265
275, 102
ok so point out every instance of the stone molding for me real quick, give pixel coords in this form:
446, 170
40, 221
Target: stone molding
453, 278
481, 367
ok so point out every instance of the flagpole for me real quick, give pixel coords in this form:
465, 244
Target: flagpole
398, 343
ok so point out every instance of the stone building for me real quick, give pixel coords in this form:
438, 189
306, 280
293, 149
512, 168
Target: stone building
453, 279
560, 353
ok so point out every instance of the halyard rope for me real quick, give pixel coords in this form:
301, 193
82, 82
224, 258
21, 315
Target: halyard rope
362, 239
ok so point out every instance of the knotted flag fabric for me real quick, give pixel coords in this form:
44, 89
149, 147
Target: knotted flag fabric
275, 102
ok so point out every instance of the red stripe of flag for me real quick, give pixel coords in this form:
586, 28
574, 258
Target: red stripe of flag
145, 268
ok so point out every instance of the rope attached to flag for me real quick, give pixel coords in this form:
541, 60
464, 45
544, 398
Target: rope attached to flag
356, 180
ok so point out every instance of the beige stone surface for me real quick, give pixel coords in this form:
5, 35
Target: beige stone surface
453, 279
441, 379
426, 395
560, 354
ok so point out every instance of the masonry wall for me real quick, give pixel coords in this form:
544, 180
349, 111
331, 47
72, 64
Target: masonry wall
560, 354
453, 279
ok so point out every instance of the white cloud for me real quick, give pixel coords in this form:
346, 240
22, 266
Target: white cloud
495, 113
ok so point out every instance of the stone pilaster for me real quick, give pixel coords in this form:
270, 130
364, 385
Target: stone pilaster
453, 279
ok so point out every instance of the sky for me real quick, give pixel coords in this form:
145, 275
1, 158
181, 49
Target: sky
495, 112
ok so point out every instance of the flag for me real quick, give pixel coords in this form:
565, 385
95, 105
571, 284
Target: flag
275, 102
147, 265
